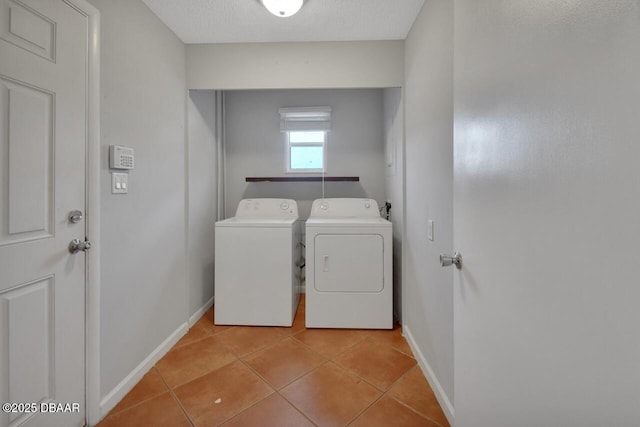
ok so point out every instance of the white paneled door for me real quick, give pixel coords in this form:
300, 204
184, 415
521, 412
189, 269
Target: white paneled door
43, 133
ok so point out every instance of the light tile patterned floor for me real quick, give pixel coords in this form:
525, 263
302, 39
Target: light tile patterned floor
260, 376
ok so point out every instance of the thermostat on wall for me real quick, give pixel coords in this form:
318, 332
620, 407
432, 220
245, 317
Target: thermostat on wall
120, 157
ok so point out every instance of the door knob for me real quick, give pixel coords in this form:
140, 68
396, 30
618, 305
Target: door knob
447, 260
78, 245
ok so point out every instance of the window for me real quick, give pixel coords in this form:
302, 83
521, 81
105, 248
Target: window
306, 151
305, 132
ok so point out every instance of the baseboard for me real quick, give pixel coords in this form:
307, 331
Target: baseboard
443, 400
198, 314
125, 386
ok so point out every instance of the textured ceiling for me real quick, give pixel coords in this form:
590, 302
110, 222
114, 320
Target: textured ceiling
247, 21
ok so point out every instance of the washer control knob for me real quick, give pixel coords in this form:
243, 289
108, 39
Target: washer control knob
284, 206
324, 206
367, 205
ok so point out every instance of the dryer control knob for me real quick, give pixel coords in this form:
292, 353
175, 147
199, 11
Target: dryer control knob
324, 206
367, 205
284, 206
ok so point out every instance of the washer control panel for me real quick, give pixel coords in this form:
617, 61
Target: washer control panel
267, 208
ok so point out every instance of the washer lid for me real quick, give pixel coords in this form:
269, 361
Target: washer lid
257, 222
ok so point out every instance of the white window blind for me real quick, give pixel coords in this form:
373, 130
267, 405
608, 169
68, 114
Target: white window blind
305, 119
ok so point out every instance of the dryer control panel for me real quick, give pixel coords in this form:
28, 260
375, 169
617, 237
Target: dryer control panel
345, 207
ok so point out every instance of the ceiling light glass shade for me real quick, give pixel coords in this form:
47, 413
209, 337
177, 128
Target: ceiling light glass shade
283, 8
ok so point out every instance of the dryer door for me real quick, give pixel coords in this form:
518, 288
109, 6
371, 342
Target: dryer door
349, 263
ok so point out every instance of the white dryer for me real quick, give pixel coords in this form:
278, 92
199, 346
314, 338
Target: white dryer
257, 252
349, 280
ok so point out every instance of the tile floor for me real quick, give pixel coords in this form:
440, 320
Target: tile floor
261, 376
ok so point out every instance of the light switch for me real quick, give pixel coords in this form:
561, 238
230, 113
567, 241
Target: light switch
119, 183
430, 230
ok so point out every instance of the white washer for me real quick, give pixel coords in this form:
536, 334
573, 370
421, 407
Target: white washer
256, 264
349, 280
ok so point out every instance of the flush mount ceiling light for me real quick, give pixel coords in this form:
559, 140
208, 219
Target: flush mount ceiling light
282, 8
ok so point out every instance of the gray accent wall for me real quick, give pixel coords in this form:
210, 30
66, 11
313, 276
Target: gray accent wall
359, 64
394, 182
256, 147
202, 173
427, 287
144, 295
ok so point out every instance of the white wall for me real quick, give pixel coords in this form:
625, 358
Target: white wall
202, 196
143, 282
547, 209
256, 147
394, 182
295, 65
428, 295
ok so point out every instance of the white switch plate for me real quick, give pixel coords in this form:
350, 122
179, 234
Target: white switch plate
119, 183
430, 230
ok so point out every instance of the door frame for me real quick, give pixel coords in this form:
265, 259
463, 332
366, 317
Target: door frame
92, 212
